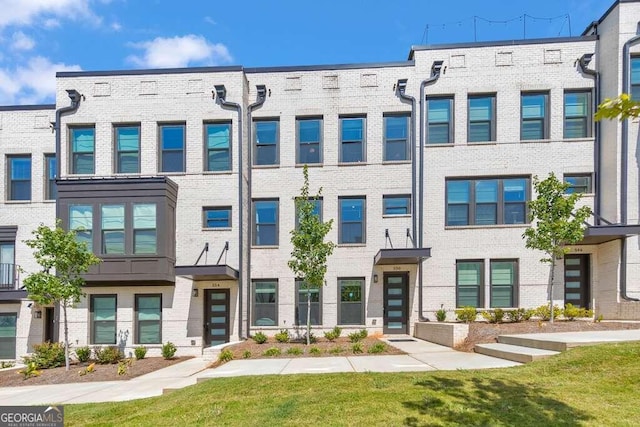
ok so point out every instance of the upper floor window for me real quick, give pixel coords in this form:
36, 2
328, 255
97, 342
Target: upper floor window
317, 210
82, 150
216, 217
351, 220
172, 142
19, 177
487, 201
352, 139
81, 221
112, 229
7, 265
309, 133
396, 204
217, 146
535, 116
440, 120
482, 118
50, 191
396, 138
577, 114
145, 233
127, 149
267, 135
578, 183
265, 222
635, 78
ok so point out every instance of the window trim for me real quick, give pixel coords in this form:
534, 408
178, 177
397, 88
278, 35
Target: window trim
320, 142
386, 197
72, 162
298, 282
92, 333
364, 219
254, 223
253, 301
137, 319
407, 140
515, 286
205, 209
492, 120
50, 184
363, 141
160, 126
116, 151
363, 299
10, 197
451, 123
481, 285
588, 117
206, 148
545, 118
254, 142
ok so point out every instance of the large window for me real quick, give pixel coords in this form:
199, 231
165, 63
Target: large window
127, 149
351, 301
8, 322
265, 222
148, 319
218, 147
469, 283
309, 135
172, 142
317, 210
301, 304
396, 138
103, 319
635, 78
265, 303
19, 177
7, 265
577, 114
352, 220
482, 118
82, 150
265, 144
504, 283
112, 229
440, 120
50, 192
396, 204
81, 221
145, 236
578, 183
487, 201
535, 116
352, 139
216, 217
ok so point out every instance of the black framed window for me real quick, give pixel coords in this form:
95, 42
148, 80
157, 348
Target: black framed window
301, 304
396, 204
265, 222
504, 283
19, 177
265, 142
8, 333
578, 183
50, 191
635, 78
82, 150
216, 217
127, 148
482, 118
351, 301
112, 217
145, 233
103, 319
172, 147
396, 138
352, 139
309, 138
352, 219
440, 120
534, 116
469, 283
577, 114
81, 221
265, 303
217, 146
148, 318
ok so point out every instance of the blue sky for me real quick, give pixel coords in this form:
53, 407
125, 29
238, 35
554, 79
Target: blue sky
40, 37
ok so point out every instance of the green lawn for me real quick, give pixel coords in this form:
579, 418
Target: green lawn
597, 385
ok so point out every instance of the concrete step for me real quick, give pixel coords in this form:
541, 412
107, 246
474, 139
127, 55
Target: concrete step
514, 353
533, 342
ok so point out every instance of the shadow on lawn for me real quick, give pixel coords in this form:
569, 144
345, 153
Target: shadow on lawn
484, 401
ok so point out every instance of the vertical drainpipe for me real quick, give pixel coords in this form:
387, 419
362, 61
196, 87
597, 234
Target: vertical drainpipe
221, 96
260, 98
75, 97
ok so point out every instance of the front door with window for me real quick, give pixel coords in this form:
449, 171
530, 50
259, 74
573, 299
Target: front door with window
396, 303
49, 324
216, 316
576, 280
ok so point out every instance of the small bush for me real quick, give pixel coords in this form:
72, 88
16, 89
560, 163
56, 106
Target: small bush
88, 370
272, 352
169, 350
295, 351
46, 355
83, 354
108, 355
259, 337
441, 314
4, 365
31, 370
333, 334
466, 314
312, 338
378, 347
518, 315
225, 356
356, 348
246, 354
363, 333
336, 350
315, 351
570, 312
495, 316
123, 366
283, 336
544, 313
140, 352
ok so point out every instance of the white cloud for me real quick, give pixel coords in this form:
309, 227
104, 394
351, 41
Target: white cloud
210, 20
116, 26
51, 23
20, 41
180, 52
32, 83
25, 12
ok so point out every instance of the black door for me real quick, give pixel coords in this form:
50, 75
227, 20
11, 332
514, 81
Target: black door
396, 303
216, 316
576, 280
49, 324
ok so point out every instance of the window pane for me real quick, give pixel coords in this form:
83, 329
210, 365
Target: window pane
20, 178
351, 301
113, 217
469, 277
396, 127
267, 133
486, 214
219, 160
352, 129
309, 130
439, 110
458, 191
486, 191
172, 161
351, 152
8, 332
578, 184
217, 135
172, 137
302, 306
635, 79
217, 217
576, 112
533, 129
266, 218
309, 153
80, 217
514, 213
128, 138
502, 283
149, 318
396, 138
480, 132
515, 190
265, 303
82, 140
128, 162
438, 134
144, 215
144, 224
144, 241
480, 109
458, 215
352, 210
266, 155
396, 205
104, 319
352, 220
533, 106
217, 141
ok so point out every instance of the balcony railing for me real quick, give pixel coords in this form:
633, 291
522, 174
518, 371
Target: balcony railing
8, 277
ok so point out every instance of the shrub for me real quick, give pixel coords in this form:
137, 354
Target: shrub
544, 313
466, 314
378, 347
4, 365
272, 352
108, 355
441, 314
88, 370
169, 350
315, 351
259, 337
46, 355
495, 316
123, 366
225, 356
570, 312
363, 333
31, 370
518, 315
83, 354
331, 335
140, 352
246, 354
357, 348
283, 336
295, 351
336, 350
312, 338
355, 337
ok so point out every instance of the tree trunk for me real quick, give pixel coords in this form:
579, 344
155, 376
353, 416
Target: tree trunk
66, 335
553, 270
308, 316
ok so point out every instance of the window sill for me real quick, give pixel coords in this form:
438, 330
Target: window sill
17, 202
265, 166
265, 247
484, 227
310, 165
396, 162
136, 174
396, 216
438, 144
351, 245
217, 228
228, 172
534, 141
582, 139
49, 201
172, 173
363, 163
482, 143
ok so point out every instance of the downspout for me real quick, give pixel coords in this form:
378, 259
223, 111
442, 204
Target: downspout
75, 97
624, 148
221, 95
435, 75
261, 97
401, 88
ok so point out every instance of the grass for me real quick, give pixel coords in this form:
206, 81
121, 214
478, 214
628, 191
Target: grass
585, 386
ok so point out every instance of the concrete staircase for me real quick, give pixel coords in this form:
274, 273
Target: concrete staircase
522, 348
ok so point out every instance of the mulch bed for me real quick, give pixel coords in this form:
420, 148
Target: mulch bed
481, 332
11, 378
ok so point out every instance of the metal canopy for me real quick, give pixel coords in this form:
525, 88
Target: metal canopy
401, 256
598, 234
12, 296
207, 272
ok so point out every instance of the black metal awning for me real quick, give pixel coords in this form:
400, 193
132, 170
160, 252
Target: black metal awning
207, 272
598, 234
401, 256
14, 295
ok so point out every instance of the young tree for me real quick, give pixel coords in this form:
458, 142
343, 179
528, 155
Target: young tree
310, 251
63, 259
622, 107
557, 222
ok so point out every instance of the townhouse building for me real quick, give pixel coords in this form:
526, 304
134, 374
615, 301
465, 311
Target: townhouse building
183, 182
